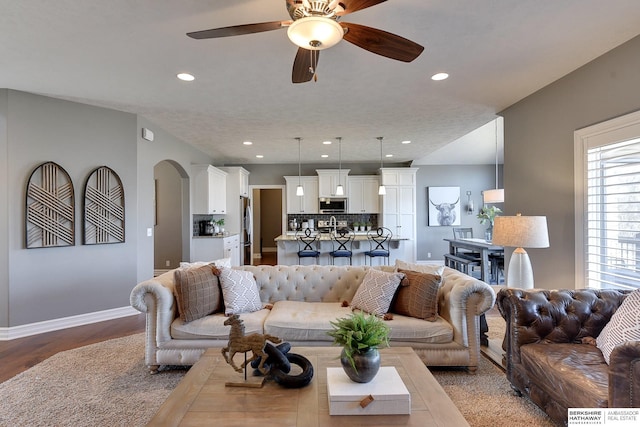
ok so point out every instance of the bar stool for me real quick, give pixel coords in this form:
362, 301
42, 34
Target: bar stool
307, 245
378, 244
342, 245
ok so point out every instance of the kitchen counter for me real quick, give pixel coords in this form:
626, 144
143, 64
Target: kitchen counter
288, 249
360, 236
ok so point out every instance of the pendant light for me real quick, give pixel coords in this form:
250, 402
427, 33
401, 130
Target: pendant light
299, 189
339, 188
495, 195
381, 189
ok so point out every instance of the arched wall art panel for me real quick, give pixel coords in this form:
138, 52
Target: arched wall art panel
49, 213
103, 208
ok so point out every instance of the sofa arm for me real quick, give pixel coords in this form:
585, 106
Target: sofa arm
461, 301
624, 376
155, 298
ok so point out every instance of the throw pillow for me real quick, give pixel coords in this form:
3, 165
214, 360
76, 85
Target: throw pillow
436, 269
376, 291
623, 326
417, 295
197, 292
239, 291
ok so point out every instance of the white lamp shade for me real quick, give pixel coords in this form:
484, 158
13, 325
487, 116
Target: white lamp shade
315, 32
493, 196
382, 190
521, 231
339, 190
299, 190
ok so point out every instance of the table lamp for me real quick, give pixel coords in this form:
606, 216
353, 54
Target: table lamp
520, 232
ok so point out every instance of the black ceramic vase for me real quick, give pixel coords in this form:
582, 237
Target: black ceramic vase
367, 365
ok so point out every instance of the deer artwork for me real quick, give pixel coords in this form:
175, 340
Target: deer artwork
239, 343
446, 212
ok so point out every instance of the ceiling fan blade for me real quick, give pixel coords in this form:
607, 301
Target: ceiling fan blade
304, 66
238, 30
381, 42
351, 6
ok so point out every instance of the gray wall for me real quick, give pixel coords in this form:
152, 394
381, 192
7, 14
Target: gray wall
539, 150
164, 147
50, 283
469, 178
4, 209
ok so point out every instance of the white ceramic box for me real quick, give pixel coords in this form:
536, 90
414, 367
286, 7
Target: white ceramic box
390, 395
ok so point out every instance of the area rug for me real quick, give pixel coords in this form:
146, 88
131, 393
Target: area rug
107, 384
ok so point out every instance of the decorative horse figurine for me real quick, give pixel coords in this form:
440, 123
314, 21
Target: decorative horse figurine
239, 343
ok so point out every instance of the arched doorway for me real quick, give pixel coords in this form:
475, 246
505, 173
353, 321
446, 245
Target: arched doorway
172, 228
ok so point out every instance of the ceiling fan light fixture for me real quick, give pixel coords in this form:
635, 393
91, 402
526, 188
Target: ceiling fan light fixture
315, 32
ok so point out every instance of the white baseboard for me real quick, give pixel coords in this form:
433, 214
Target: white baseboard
269, 250
21, 331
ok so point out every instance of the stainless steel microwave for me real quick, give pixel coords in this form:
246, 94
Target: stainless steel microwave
332, 205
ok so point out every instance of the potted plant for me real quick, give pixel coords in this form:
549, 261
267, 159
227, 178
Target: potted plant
488, 214
218, 225
369, 225
356, 226
360, 335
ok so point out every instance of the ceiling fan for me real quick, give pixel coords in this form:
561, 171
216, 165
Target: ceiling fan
314, 26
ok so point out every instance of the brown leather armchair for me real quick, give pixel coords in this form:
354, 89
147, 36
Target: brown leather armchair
551, 355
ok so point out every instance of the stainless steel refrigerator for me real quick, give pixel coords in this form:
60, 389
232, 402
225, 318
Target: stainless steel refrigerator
246, 227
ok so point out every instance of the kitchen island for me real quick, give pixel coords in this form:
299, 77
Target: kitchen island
288, 250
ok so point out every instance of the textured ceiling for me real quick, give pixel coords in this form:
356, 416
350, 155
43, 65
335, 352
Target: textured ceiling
125, 54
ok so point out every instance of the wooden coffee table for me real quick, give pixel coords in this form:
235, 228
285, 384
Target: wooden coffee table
201, 398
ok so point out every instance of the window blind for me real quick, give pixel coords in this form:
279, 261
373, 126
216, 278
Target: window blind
613, 216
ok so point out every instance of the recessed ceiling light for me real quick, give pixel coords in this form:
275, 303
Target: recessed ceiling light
439, 76
324, 156
406, 142
388, 155
248, 143
186, 77
260, 156
326, 142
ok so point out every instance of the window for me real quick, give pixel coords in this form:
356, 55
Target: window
608, 204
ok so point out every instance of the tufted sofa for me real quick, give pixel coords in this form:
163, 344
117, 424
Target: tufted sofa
305, 299
550, 354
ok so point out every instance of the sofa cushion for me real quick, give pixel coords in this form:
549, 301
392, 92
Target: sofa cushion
240, 291
376, 291
197, 292
623, 326
303, 321
574, 375
417, 295
309, 321
212, 326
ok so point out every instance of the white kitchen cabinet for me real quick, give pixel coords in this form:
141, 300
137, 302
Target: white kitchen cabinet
363, 194
328, 180
232, 249
399, 205
209, 190
302, 204
212, 248
237, 181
